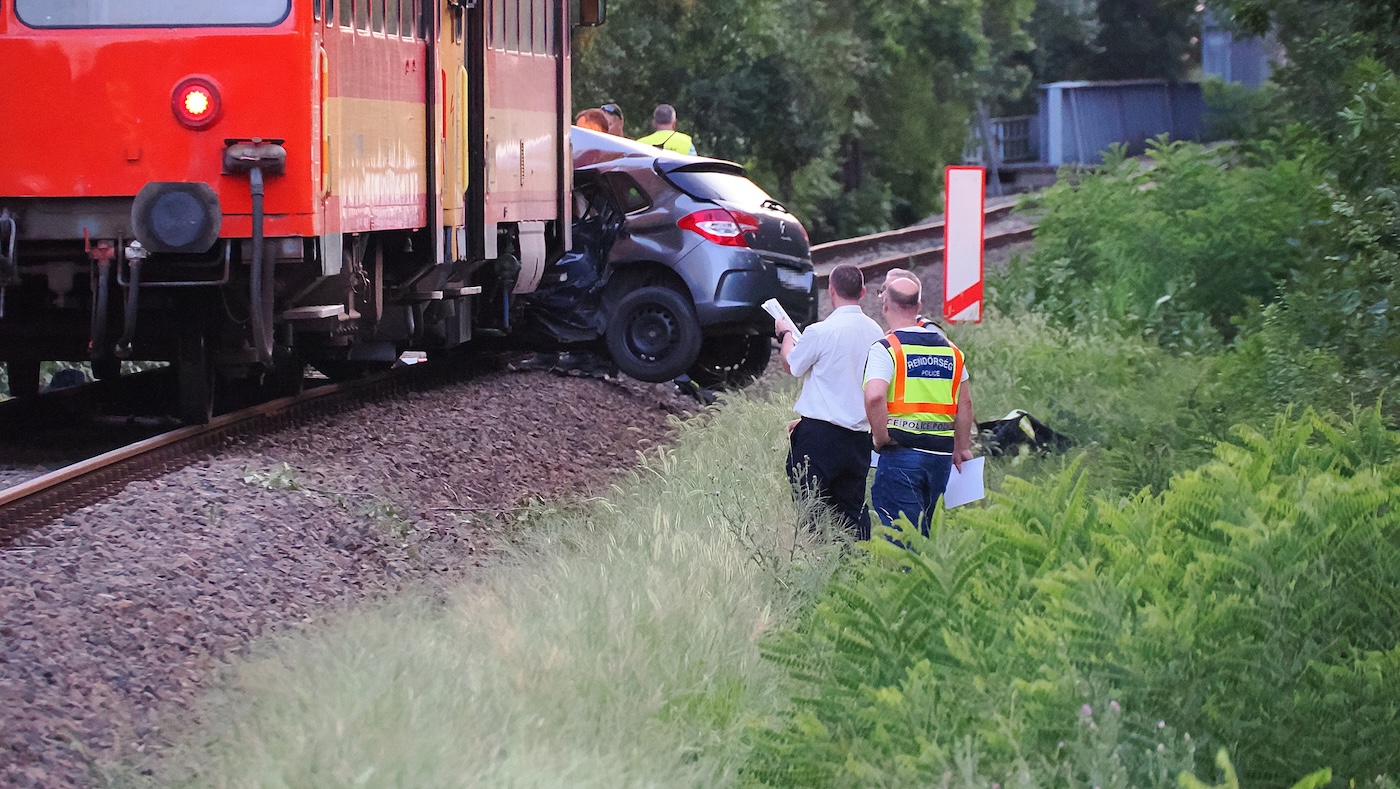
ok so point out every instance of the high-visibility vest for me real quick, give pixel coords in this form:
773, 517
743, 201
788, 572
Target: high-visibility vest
923, 397
669, 139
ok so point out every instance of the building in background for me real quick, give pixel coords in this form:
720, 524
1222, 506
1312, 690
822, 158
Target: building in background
1246, 61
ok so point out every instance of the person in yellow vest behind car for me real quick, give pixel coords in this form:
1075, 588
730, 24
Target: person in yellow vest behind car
666, 136
919, 407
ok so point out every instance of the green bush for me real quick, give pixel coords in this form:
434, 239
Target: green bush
1175, 250
1236, 112
1056, 637
1146, 413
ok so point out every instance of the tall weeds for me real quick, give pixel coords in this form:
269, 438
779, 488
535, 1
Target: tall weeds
619, 648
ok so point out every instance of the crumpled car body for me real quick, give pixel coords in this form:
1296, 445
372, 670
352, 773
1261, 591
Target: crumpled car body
651, 224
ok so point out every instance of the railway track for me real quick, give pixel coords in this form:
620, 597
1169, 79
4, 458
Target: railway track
44, 498
40, 500
916, 246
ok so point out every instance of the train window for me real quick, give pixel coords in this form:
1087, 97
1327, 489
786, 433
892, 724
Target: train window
391, 17
330, 12
347, 8
316, 10
376, 15
551, 15
407, 19
498, 23
538, 20
150, 13
362, 14
512, 41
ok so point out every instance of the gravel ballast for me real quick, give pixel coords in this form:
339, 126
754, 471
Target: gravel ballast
112, 619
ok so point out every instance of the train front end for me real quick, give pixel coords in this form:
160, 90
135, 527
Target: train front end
151, 147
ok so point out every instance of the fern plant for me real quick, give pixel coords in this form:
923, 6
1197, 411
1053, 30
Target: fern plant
1255, 602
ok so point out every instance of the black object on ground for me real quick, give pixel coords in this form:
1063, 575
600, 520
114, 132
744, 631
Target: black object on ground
1019, 432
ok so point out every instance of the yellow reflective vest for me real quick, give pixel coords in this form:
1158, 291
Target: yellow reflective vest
923, 397
671, 140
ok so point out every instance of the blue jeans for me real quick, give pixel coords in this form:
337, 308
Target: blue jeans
909, 482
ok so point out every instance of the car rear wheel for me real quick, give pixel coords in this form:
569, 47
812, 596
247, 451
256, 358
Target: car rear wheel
732, 362
653, 334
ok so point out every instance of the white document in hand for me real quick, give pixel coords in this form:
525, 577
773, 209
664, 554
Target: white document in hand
772, 307
965, 486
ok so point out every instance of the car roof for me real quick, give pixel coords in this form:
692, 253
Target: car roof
592, 149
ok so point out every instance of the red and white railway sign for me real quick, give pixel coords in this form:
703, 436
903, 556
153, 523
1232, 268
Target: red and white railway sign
964, 218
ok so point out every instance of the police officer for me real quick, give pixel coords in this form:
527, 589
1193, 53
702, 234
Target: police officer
666, 136
919, 407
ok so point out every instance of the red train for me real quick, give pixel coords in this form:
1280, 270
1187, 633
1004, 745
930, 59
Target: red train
245, 186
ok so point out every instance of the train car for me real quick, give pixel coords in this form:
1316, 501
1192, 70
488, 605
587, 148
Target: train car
246, 186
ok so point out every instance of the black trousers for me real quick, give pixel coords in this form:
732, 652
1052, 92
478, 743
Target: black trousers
833, 463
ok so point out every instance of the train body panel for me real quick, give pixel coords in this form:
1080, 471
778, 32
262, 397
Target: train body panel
343, 178
99, 121
375, 130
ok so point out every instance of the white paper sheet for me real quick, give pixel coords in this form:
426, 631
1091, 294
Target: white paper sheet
965, 487
772, 307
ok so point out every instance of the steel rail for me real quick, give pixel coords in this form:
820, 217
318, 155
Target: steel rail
39, 501
834, 252
930, 255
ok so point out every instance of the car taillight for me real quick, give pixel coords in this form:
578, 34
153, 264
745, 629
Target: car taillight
723, 227
196, 102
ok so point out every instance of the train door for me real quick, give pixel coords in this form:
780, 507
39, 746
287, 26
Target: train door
525, 103
454, 171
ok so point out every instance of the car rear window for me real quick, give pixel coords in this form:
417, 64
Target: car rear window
710, 185
150, 13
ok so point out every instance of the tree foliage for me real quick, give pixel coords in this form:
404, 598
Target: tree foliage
847, 111
1113, 39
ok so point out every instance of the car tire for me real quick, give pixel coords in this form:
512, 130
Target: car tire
730, 362
653, 334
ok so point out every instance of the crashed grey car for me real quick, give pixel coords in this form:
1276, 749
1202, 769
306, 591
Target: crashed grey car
673, 257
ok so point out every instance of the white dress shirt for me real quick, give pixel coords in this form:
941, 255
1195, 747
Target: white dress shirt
832, 355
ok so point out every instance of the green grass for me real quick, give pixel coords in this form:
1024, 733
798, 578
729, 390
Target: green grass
621, 642
617, 647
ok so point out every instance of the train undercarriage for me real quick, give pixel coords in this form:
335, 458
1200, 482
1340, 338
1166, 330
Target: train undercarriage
229, 333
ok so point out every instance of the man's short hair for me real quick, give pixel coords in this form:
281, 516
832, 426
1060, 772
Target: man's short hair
615, 120
900, 273
847, 281
663, 115
594, 119
902, 295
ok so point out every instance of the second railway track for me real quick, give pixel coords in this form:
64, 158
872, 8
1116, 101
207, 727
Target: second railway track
917, 246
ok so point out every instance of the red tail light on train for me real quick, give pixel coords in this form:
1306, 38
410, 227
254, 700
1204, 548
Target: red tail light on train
196, 102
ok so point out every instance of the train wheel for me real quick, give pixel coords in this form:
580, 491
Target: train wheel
194, 373
287, 377
729, 362
653, 334
24, 377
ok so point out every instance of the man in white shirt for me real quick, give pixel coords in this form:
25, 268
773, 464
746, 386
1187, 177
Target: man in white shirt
830, 444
